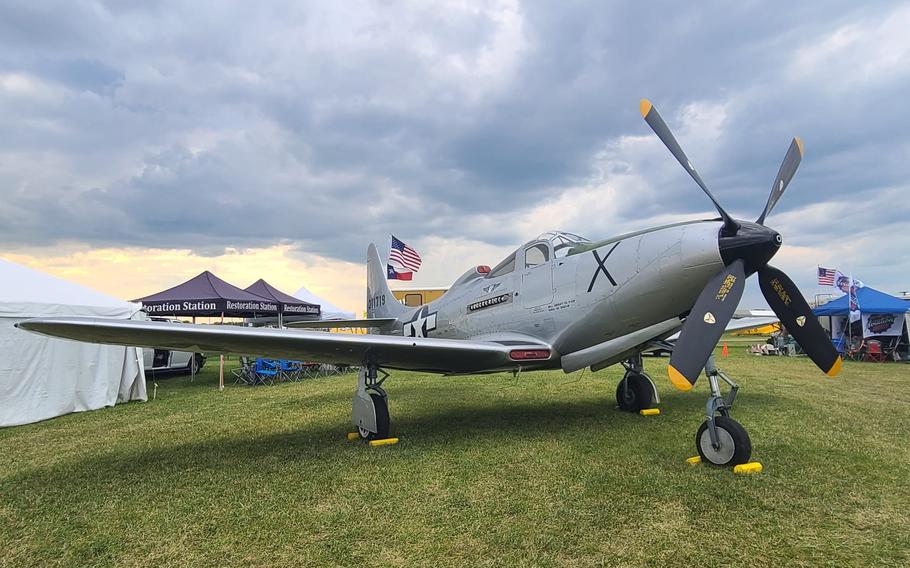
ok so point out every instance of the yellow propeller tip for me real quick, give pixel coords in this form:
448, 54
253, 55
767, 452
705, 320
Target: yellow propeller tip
678, 379
835, 368
799, 144
645, 107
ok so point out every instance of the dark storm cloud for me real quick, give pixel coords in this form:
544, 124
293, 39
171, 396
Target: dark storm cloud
211, 125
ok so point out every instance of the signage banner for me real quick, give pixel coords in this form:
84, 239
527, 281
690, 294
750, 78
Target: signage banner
882, 324
211, 307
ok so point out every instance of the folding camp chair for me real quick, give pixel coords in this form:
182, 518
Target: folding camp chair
266, 371
855, 350
840, 345
309, 370
874, 352
245, 373
891, 349
289, 370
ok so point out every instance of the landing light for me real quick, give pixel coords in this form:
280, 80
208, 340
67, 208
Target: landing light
527, 354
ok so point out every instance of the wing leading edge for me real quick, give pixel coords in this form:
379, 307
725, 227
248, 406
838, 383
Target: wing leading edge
450, 356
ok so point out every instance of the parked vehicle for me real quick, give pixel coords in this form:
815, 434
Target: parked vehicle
163, 361
166, 362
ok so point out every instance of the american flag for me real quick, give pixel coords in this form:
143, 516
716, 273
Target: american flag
826, 276
403, 260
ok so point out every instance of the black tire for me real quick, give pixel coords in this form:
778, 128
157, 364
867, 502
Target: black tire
729, 431
382, 419
196, 360
640, 395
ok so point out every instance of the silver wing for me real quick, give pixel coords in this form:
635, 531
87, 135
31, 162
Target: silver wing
449, 356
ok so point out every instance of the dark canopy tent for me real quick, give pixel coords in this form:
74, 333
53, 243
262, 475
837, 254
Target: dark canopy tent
288, 304
208, 295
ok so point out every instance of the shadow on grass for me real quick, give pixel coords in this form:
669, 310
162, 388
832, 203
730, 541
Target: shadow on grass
440, 423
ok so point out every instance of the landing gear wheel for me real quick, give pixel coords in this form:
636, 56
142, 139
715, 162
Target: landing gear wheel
735, 447
381, 405
637, 397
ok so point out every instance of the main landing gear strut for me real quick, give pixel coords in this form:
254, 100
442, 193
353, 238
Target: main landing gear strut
720, 439
636, 391
370, 406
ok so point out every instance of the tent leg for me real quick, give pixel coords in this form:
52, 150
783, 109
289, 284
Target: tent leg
192, 366
221, 370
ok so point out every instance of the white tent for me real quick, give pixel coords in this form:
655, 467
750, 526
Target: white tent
41, 377
327, 310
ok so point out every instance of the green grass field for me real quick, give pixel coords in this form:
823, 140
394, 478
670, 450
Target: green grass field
539, 470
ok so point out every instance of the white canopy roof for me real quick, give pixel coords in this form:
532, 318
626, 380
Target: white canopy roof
328, 309
28, 293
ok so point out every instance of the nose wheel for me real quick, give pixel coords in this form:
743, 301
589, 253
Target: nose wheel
720, 440
733, 444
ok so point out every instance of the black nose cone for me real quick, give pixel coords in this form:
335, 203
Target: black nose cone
755, 244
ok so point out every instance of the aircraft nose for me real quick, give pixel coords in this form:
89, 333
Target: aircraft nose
753, 243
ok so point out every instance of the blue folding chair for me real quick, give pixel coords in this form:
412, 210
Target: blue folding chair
840, 344
289, 370
266, 371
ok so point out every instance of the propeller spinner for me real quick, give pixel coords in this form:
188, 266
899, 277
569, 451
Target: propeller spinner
745, 249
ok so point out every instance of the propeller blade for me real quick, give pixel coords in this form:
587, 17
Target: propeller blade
705, 324
657, 124
787, 169
795, 314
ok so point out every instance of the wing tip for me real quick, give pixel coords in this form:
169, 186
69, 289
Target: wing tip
835, 368
678, 379
644, 107
799, 144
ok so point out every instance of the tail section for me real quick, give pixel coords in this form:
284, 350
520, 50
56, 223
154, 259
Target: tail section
380, 301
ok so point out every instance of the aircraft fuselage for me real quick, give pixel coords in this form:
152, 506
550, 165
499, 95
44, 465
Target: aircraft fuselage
583, 297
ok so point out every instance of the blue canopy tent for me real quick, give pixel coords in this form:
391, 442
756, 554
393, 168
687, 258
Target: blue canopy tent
870, 301
882, 315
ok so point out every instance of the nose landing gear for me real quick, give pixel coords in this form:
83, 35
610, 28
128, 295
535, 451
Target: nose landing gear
720, 440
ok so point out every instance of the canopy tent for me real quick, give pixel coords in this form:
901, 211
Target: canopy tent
287, 303
208, 295
41, 377
329, 310
869, 299
880, 313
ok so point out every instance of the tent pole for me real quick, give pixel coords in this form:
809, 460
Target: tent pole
221, 370
193, 361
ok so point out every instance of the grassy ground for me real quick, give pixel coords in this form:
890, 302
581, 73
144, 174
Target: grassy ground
491, 471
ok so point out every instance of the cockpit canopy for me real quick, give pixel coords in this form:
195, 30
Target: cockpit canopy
560, 243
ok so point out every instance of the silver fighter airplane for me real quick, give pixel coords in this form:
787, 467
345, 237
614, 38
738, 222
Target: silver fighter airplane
560, 301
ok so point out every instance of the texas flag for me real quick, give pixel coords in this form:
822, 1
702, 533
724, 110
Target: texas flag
396, 275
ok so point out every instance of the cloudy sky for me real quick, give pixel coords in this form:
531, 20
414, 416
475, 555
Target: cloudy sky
141, 143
